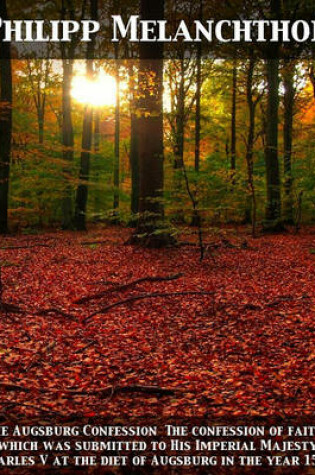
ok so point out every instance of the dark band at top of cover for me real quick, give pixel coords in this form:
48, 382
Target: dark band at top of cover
175, 29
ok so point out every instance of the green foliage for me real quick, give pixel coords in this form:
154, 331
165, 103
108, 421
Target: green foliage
38, 179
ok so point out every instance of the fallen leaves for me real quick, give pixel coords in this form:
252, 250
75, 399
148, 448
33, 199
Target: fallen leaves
235, 337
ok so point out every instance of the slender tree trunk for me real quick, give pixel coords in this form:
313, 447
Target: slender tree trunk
198, 110
134, 162
134, 152
67, 53
6, 99
273, 206
179, 143
97, 122
41, 123
97, 130
251, 211
180, 121
196, 216
117, 139
82, 190
38, 75
233, 118
288, 102
68, 144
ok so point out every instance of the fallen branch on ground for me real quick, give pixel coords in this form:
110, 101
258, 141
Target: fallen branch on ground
126, 389
274, 303
144, 297
98, 392
12, 248
285, 298
10, 308
118, 288
58, 312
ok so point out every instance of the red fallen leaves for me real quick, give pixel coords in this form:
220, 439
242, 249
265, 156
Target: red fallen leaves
247, 352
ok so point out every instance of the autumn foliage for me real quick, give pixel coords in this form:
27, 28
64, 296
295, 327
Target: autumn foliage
241, 346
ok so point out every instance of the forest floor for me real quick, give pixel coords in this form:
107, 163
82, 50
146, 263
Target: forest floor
231, 336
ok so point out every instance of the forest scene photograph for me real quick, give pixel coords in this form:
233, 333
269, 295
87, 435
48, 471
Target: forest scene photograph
157, 220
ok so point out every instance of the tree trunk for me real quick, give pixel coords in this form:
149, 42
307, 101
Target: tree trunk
117, 139
5, 123
179, 132
288, 102
198, 110
233, 119
180, 121
251, 211
41, 122
97, 131
150, 132
150, 129
68, 144
134, 162
196, 217
134, 152
273, 206
82, 191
